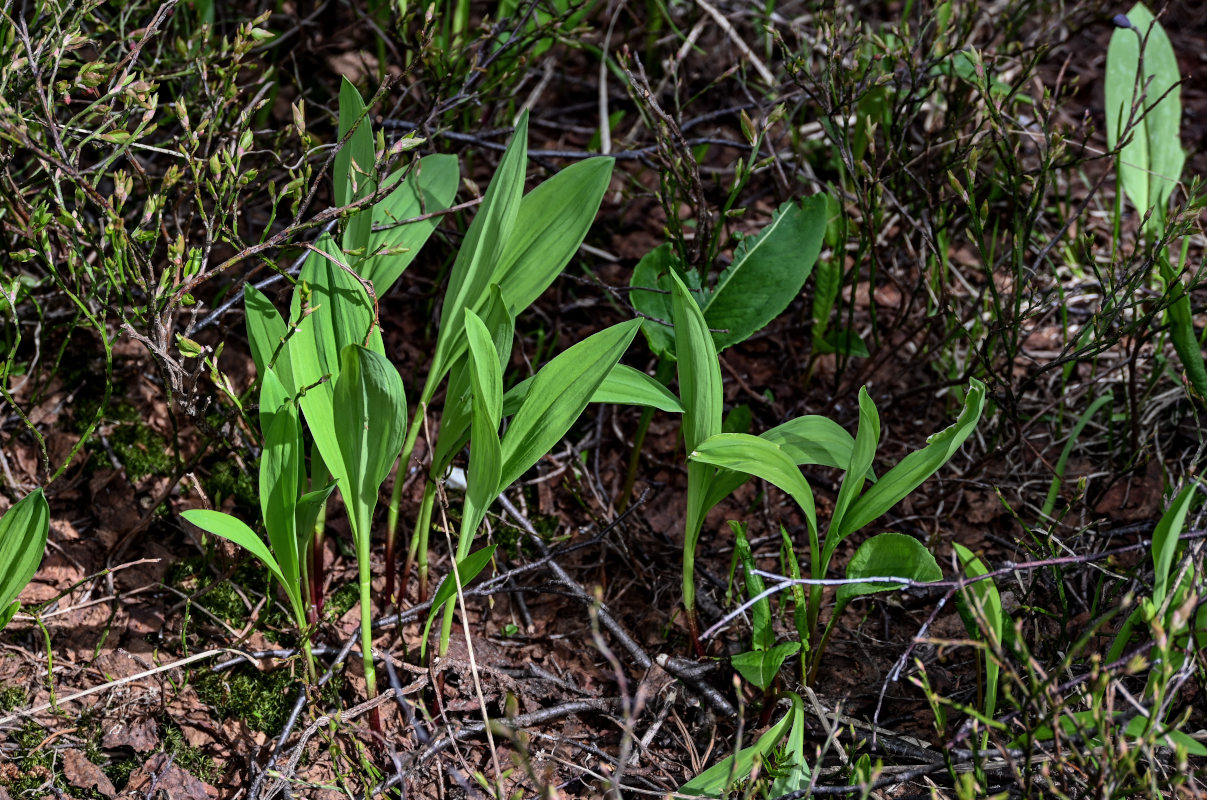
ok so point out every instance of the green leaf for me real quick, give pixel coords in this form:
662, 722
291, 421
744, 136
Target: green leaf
755, 456
480, 253
369, 429
623, 386
231, 529
552, 222
767, 272
486, 453
760, 667
429, 186
341, 315
715, 781
23, 531
1165, 540
651, 295
917, 466
280, 475
355, 165
559, 393
1150, 164
458, 406
886, 555
867, 437
699, 370
983, 596
762, 635
468, 568
265, 327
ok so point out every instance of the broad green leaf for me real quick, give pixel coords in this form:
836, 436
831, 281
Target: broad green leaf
355, 166
486, 454
982, 595
758, 457
429, 186
1165, 540
480, 252
738, 420
867, 437
767, 272
306, 514
23, 531
715, 781
887, 555
1150, 164
369, 428
1077, 722
280, 472
231, 529
917, 466
623, 386
1137, 726
558, 396
265, 328
468, 568
651, 295
760, 667
552, 221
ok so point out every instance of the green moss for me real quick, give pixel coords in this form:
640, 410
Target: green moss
226, 479
189, 758
11, 697
141, 451
341, 601
261, 699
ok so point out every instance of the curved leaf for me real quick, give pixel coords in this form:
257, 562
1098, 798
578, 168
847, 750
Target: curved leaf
917, 466
231, 529
468, 568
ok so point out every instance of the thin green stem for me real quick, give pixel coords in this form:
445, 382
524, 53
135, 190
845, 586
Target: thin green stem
400, 472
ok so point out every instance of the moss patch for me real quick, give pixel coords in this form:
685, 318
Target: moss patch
261, 699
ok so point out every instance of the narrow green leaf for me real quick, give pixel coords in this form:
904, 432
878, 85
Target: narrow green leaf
23, 531
480, 252
768, 271
558, 396
917, 466
699, 370
429, 186
468, 568
486, 454
280, 472
231, 529
982, 595
623, 386
715, 781
1165, 540
867, 437
762, 635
